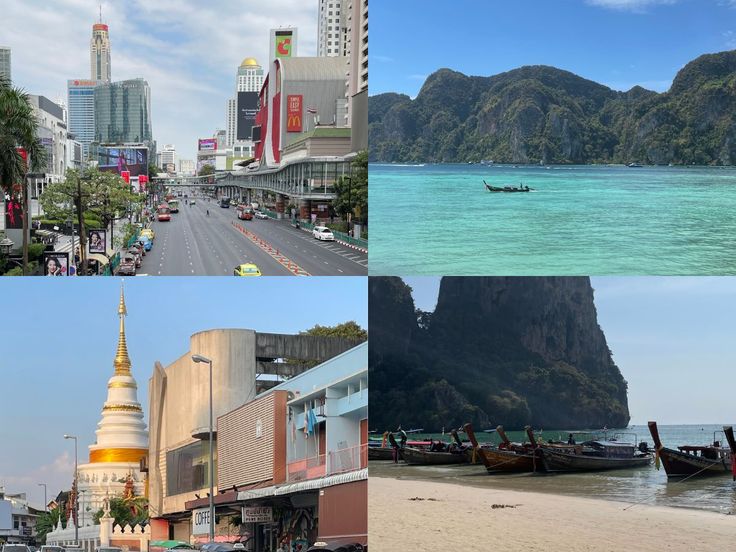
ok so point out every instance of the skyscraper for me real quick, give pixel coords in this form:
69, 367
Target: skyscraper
248, 79
357, 73
99, 50
123, 112
331, 28
5, 62
82, 112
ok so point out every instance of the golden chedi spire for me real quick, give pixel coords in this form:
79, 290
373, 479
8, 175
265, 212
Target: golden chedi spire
122, 362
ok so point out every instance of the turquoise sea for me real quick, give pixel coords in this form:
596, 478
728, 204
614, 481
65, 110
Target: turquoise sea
579, 220
630, 487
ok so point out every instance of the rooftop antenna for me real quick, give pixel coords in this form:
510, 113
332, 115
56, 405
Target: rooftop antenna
100, 12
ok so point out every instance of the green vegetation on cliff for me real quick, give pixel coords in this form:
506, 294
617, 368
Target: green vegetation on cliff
513, 351
543, 114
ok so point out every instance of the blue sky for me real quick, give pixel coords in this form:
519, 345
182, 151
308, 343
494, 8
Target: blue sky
188, 51
619, 43
59, 340
671, 337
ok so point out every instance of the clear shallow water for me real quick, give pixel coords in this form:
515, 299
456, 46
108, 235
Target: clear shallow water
580, 220
646, 485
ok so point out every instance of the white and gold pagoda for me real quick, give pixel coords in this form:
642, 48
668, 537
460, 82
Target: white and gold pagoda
122, 437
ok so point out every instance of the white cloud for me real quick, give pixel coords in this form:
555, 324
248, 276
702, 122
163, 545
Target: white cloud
730, 38
636, 6
57, 474
187, 50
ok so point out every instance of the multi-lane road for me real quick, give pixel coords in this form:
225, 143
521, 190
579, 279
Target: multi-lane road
193, 243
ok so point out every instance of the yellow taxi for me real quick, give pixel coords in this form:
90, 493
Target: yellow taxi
149, 233
248, 269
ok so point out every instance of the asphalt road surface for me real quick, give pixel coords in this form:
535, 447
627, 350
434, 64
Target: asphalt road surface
194, 244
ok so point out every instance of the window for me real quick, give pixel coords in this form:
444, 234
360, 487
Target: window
187, 468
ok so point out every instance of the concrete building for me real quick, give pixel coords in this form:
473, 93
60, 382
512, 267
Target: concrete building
17, 519
99, 53
331, 28
231, 116
186, 167
293, 461
123, 112
249, 78
357, 74
168, 157
52, 131
81, 101
74, 153
244, 363
5, 68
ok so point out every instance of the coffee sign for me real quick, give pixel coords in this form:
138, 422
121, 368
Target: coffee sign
201, 521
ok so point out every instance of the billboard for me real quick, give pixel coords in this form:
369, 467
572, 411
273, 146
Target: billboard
119, 160
208, 144
13, 213
97, 240
294, 113
56, 264
283, 43
247, 110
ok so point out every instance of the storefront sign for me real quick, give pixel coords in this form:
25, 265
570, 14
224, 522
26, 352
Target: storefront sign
201, 521
257, 514
294, 113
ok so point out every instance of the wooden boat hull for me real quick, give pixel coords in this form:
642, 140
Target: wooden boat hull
682, 464
381, 453
506, 461
557, 461
426, 458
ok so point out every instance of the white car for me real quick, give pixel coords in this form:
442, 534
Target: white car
260, 215
323, 233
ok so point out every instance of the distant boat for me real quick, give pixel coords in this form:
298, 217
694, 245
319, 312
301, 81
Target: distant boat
634, 165
521, 188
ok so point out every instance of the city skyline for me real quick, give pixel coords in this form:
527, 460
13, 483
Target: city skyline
163, 313
617, 43
666, 334
189, 85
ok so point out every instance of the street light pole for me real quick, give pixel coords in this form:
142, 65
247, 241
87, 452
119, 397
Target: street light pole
45, 499
76, 490
200, 358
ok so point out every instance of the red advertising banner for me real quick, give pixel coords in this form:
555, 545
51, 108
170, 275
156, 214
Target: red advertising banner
126, 176
294, 113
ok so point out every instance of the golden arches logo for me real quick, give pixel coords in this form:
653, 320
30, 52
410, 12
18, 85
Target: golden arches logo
294, 121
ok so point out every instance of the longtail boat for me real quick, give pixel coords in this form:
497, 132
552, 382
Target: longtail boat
591, 455
728, 430
426, 457
511, 458
691, 460
506, 188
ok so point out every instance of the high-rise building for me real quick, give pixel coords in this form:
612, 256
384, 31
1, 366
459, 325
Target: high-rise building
283, 44
81, 101
248, 79
186, 167
250, 76
52, 132
5, 62
99, 52
331, 28
123, 112
168, 157
232, 117
357, 73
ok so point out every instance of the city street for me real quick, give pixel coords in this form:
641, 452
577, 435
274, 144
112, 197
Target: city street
194, 244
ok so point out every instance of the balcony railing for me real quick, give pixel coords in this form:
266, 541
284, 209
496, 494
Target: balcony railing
334, 462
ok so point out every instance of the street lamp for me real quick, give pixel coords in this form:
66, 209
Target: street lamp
45, 500
200, 358
76, 490
6, 246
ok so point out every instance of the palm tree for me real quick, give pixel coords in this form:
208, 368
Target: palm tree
18, 129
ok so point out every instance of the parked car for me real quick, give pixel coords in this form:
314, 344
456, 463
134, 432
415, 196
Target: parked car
108, 549
15, 548
323, 233
247, 269
139, 247
338, 545
260, 215
147, 243
136, 254
127, 266
149, 233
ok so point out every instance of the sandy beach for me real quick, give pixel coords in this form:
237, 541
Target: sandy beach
428, 515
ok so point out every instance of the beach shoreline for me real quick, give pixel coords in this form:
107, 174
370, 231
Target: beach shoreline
435, 515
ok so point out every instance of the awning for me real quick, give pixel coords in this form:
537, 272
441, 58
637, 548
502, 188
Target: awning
256, 493
322, 482
100, 258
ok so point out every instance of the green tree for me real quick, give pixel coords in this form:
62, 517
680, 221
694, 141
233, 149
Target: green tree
18, 129
153, 170
352, 192
349, 330
206, 170
47, 522
105, 195
133, 510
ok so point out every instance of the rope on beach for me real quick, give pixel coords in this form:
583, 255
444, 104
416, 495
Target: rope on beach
675, 483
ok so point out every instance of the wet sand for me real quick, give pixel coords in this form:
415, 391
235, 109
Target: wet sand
429, 515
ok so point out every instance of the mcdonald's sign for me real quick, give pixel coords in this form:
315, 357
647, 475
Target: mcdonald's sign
294, 113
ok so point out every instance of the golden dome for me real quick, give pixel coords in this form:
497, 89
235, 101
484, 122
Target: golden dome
248, 62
